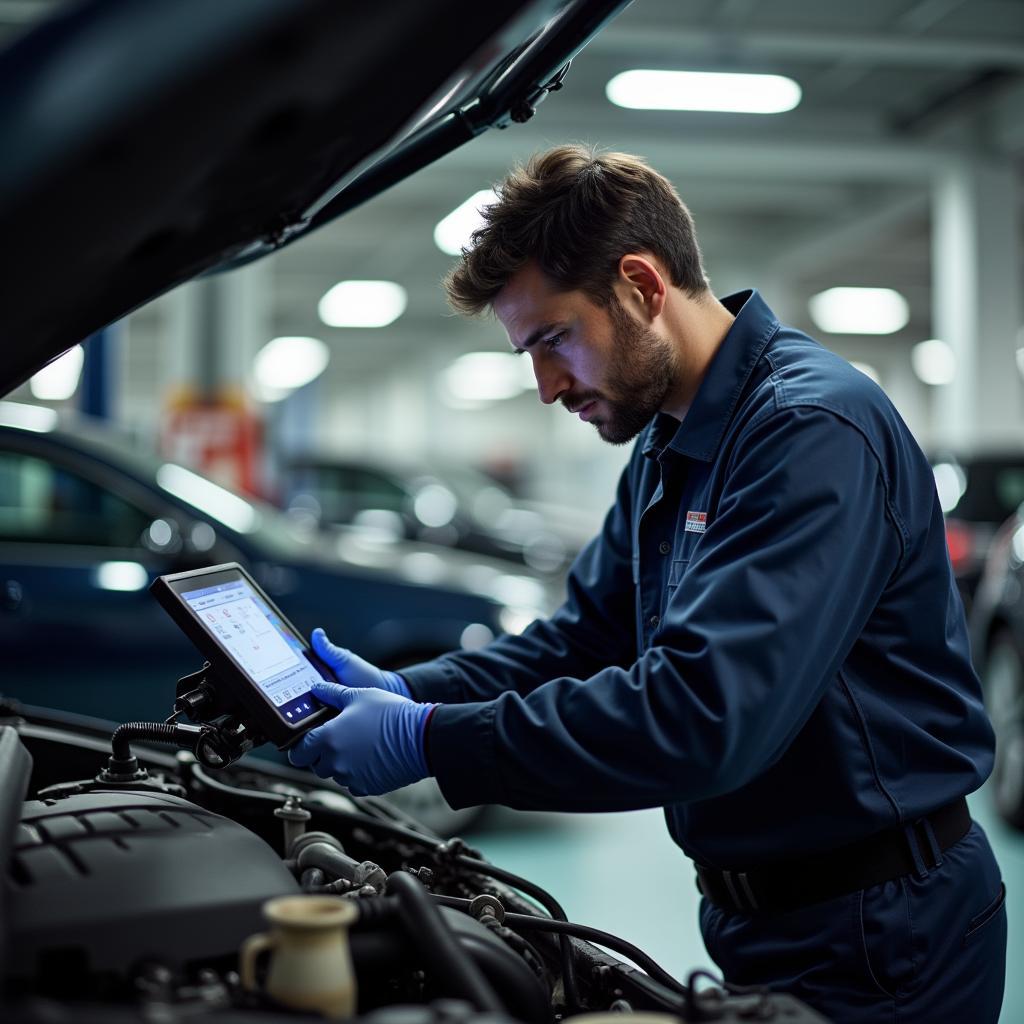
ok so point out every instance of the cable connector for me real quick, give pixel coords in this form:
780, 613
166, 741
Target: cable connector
195, 704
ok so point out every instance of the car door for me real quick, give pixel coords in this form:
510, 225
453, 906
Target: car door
78, 548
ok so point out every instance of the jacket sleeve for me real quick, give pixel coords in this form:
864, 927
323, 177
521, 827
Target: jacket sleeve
594, 628
778, 590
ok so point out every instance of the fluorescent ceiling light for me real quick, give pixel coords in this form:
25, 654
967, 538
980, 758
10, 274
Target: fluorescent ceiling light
284, 364
950, 484
933, 361
703, 90
208, 497
859, 310
28, 417
123, 576
267, 395
363, 304
454, 232
479, 377
58, 381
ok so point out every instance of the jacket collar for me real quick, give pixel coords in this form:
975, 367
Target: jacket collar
700, 434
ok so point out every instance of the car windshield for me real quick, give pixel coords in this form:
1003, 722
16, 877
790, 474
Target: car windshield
265, 525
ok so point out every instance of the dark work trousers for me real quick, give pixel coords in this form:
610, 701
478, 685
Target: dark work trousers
925, 947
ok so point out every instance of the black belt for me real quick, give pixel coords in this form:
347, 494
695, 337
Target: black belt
774, 888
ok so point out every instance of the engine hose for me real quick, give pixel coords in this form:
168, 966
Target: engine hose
526, 995
491, 923
380, 941
401, 832
549, 903
514, 940
527, 922
438, 945
312, 878
322, 850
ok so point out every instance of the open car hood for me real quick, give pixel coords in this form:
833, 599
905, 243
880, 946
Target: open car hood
147, 143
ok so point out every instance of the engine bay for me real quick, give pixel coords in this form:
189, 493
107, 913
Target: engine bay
131, 901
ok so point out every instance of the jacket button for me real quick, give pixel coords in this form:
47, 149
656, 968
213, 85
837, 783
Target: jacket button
664, 547
653, 621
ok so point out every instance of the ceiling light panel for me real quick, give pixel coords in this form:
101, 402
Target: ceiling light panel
486, 377
284, 364
58, 380
720, 92
859, 310
933, 361
454, 232
363, 304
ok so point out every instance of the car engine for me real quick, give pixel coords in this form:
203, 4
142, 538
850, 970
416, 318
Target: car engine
131, 901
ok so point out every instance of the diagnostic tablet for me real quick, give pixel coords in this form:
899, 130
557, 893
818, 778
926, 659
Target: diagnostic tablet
256, 654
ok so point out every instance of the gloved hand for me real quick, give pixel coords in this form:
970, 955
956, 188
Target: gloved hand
351, 670
374, 746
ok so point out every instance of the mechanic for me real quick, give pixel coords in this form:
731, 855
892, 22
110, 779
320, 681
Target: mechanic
765, 639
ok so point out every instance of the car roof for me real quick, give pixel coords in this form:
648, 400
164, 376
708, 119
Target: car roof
147, 143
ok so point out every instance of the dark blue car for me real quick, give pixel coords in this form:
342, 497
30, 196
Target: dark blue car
87, 521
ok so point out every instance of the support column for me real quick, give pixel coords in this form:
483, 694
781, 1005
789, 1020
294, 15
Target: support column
216, 325
96, 391
976, 304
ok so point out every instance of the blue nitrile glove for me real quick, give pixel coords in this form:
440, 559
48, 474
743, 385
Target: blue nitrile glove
374, 746
351, 670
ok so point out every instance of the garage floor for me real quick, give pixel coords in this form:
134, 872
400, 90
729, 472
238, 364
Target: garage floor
622, 873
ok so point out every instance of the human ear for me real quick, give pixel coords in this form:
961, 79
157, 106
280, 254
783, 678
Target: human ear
641, 285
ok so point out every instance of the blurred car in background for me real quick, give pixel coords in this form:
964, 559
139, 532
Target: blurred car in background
88, 520
977, 494
451, 505
997, 641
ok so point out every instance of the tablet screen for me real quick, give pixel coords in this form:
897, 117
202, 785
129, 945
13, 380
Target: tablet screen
258, 641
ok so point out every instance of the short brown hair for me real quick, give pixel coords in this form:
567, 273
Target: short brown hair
577, 212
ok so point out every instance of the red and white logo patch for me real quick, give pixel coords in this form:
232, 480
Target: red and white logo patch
696, 522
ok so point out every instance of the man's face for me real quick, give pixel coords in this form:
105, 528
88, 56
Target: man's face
598, 361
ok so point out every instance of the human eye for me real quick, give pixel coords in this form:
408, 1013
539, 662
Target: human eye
555, 340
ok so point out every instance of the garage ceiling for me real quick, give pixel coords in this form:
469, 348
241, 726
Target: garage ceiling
833, 192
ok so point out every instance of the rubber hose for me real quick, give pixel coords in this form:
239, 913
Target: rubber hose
527, 922
330, 859
377, 949
439, 946
549, 903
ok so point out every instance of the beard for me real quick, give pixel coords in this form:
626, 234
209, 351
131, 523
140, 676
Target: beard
638, 381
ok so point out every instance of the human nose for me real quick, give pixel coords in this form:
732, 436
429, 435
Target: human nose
552, 380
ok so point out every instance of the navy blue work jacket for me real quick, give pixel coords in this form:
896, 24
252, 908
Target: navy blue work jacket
765, 638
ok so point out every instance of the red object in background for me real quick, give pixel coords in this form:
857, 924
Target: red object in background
961, 543
222, 438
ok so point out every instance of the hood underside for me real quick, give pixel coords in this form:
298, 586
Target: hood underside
147, 143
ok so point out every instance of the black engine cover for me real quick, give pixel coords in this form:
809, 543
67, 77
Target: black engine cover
108, 879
